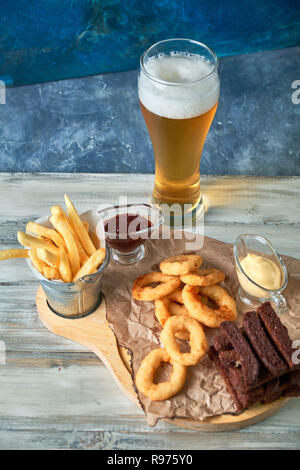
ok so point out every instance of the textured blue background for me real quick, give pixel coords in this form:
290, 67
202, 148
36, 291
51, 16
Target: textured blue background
48, 40
94, 124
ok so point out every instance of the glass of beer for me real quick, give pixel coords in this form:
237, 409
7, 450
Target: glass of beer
179, 91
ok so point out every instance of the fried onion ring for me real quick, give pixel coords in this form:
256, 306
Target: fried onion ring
203, 277
210, 317
168, 306
142, 291
145, 376
198, 342
182, 264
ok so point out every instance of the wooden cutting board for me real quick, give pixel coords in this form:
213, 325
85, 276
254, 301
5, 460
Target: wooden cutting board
94, 333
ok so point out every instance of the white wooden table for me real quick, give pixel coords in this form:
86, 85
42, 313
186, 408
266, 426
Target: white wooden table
56, 394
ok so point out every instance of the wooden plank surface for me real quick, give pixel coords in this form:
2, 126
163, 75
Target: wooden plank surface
94, 333
54, 393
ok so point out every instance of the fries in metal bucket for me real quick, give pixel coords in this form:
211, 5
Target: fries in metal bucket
66, 251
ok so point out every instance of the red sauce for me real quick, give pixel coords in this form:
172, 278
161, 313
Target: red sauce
122, 231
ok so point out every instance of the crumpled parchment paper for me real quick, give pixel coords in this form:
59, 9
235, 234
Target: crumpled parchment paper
136, 328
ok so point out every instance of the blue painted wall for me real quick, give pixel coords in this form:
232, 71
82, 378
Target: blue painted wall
46, 40
94, 124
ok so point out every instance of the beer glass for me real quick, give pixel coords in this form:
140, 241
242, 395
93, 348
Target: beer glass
179, 91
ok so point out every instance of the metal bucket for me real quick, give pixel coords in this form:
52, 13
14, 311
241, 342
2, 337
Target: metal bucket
76, 299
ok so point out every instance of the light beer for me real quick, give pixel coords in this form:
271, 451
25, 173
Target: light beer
178, 94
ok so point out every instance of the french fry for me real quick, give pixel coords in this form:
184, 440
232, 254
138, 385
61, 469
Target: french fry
13, 253
94, 239
79, 228
64, 266
63, 227
49, 258
82, 254
34, 242
86, 225
92, 264
57, 210
37, 263
51, 273
45, 232
47, 241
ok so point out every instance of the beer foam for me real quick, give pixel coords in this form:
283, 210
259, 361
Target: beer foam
185, 99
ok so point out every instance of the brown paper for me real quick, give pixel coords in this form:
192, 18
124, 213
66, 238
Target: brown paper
137, 329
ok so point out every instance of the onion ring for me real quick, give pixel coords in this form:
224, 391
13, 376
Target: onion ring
142, 291
168, 306
198, 342
182, 264
212, 318
203, 277
145, 376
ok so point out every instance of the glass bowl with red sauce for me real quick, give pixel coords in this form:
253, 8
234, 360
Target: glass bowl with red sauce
126, 228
